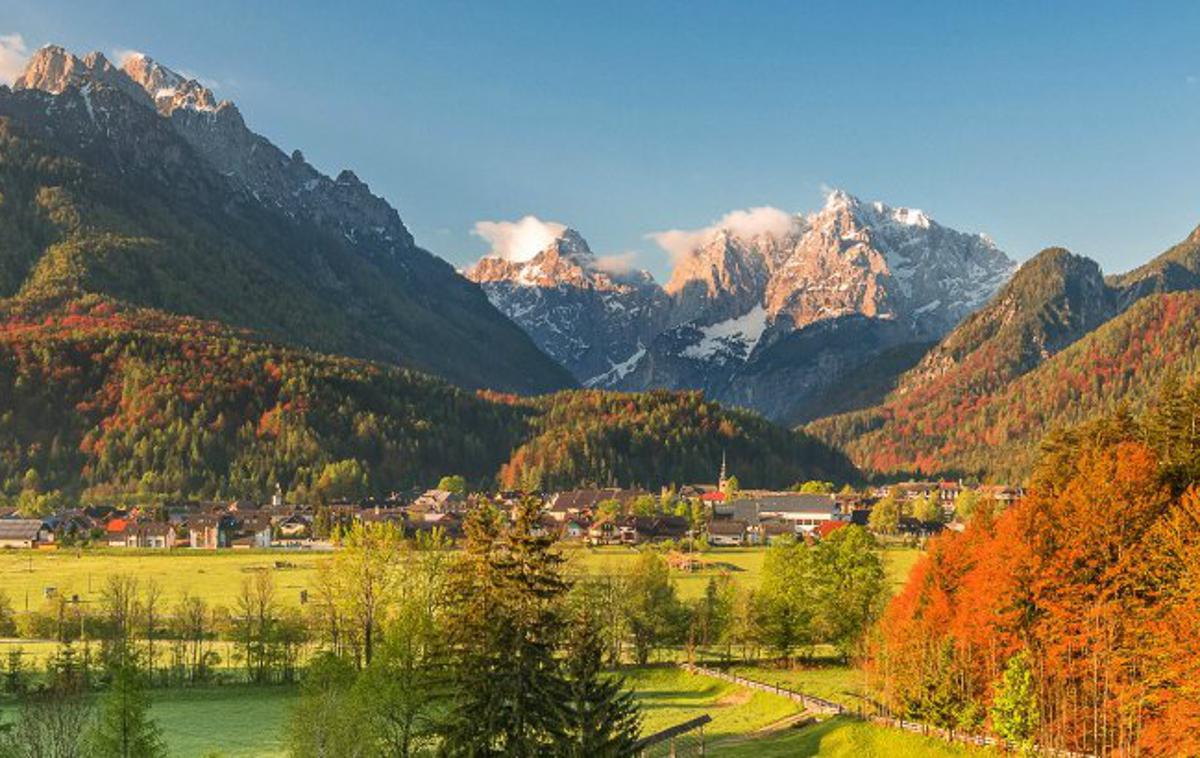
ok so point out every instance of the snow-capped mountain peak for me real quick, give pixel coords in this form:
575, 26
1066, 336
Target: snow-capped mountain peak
592, 319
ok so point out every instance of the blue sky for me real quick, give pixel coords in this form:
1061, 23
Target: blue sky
1061, 123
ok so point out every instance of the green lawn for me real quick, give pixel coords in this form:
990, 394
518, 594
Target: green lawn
670, 696
236, 722
743, 564
217, 576
898, 562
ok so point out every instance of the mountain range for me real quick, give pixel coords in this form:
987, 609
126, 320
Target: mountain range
769, 315
135, 206
136, 183
188, 311
1058, 344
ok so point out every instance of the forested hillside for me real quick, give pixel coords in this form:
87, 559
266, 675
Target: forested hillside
660, 437
950, 424
107, 401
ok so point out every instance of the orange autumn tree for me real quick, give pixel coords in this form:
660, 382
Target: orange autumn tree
1095, 577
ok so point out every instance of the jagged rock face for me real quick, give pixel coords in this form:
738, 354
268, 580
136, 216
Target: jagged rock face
594, 322
53, 69
849, 258
218, 133
768, 319
722, 278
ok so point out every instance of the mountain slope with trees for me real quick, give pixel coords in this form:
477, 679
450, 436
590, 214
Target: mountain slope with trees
1059, 343
948, 426
102, 194
105, 401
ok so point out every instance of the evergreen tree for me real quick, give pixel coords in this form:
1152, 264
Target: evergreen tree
506, 623
124, 728
602, 718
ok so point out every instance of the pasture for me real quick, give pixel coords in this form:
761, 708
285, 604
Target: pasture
214, 576
217, 576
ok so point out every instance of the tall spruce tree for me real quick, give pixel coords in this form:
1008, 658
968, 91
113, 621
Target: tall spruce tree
506, 623
602, 719
124, 728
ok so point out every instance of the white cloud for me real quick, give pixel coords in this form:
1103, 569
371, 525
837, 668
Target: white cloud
745, 224
122, 55
521, 240
13, 56
617, 263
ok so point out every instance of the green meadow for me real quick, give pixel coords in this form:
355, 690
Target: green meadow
240, 721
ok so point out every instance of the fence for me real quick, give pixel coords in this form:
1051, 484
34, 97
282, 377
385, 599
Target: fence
680, 741
809, 702
821, 705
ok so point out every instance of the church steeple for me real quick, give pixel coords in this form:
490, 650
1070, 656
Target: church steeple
721, 479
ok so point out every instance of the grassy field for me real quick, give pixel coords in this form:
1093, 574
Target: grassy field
235, 722
217, 576
214, 576
841, 684
669, 696
743, 564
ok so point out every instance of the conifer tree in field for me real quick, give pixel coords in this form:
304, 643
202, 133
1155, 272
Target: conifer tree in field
124, 728
602, 719
505, 625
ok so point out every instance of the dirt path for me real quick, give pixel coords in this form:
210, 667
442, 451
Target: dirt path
769, 730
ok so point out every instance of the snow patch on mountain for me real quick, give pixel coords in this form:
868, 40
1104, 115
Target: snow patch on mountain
736, 337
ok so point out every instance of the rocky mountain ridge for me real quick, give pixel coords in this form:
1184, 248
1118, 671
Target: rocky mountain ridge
217, 131
593, 321
760, 314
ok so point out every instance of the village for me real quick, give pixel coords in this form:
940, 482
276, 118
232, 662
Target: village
714, 515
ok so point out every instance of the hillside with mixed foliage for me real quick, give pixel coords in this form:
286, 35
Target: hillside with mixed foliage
108, 402
656, 438
953, 424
